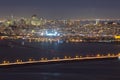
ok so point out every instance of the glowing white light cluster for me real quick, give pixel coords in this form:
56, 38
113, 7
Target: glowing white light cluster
50, 33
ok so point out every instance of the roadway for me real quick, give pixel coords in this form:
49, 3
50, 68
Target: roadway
57, 60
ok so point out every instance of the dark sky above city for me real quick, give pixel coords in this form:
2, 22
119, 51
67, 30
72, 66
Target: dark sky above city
61, 9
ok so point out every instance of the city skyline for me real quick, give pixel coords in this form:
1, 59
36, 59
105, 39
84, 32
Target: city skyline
61, 9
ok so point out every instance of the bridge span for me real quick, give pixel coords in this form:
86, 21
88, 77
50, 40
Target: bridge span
66, 59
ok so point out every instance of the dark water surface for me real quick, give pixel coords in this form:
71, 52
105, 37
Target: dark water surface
88, 70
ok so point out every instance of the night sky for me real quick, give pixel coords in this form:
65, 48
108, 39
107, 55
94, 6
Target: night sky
61, 9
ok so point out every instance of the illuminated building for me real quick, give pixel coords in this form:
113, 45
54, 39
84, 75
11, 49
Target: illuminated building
97, 21
49, 32
35, 21
117, 37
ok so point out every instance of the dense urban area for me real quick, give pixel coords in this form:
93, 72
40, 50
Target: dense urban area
74, 30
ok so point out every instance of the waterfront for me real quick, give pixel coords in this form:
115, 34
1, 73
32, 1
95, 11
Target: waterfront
95, 70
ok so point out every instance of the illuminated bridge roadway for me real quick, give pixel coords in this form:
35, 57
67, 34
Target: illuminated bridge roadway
58, 60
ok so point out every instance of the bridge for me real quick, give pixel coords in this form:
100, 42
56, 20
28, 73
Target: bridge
66, 59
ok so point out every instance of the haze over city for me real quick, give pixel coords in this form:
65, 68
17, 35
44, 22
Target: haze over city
60, 9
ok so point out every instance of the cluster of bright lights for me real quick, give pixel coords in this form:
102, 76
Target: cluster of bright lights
50, 33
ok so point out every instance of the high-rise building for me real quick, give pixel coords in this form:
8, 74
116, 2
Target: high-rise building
97, 21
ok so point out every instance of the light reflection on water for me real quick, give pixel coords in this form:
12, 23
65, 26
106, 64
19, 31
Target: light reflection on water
51, 50
95, 70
